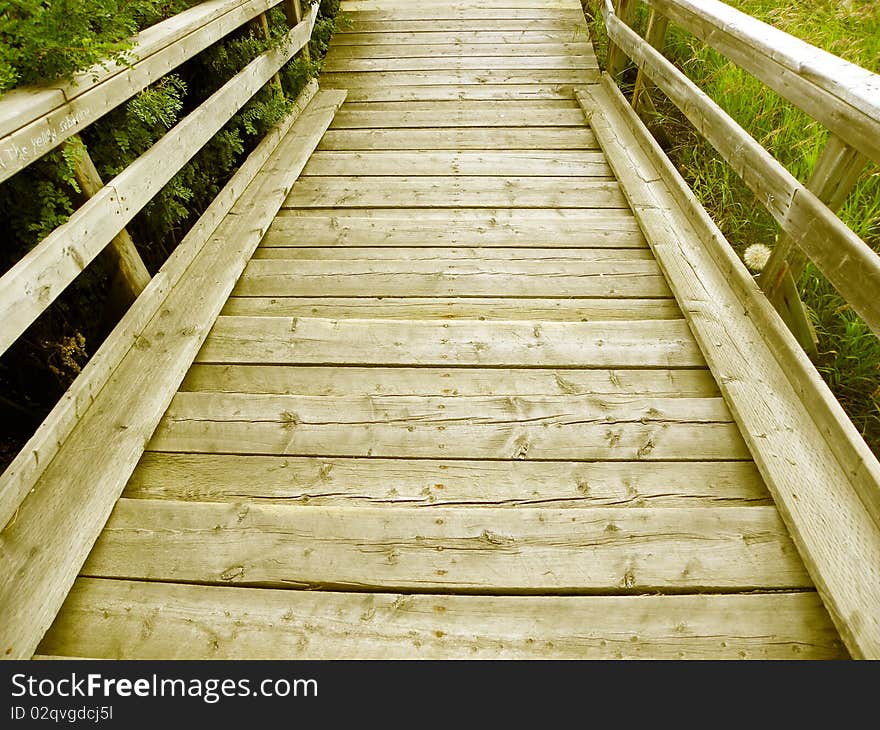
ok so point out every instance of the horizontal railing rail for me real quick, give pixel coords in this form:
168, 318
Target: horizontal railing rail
841, 95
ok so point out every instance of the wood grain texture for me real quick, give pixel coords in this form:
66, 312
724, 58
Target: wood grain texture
122, 620
452, 277
480, 308
560, 228
486, 114
397, 48
627, 428
332, 481
547, 64
333, 381
461, 138
310, 341
463, 77
725, 549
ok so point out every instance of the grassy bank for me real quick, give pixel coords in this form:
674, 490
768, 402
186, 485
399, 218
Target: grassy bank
849, 354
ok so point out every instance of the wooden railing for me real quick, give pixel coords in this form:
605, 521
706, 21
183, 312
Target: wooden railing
842, 96
33, 121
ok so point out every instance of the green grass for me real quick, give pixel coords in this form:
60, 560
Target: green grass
849, 353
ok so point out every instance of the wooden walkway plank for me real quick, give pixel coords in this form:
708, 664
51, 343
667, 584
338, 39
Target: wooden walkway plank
330, 481
463, 77
549, 64
461, 138
452, 192
485, 115
479, 308
568, 36
310, 341
468, 427
569, 228
451, 277
533, 551
396, 48
107, 618
349, 381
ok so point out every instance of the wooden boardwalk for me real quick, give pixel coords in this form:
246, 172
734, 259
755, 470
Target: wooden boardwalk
452, 407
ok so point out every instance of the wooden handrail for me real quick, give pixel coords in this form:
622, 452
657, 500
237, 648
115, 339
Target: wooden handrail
35, 120
850, 265
29, 287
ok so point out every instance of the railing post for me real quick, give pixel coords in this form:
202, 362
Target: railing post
294, 13
655, 36
262, 23
625, 11
131, 276
836, 173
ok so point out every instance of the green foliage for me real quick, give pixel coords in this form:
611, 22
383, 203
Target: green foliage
42, 41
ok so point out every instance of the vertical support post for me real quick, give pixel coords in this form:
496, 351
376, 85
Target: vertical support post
617, 61
262, 23
836, 173
131, 276
294, 13
656, 37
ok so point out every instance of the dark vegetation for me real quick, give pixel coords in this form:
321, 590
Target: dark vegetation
849, 353
41, 42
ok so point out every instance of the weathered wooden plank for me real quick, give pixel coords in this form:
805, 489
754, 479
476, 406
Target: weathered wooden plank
822, 475
464, 77
837, 93
572, 35
106, 619
528, 550
482, 308
488, 114
426, 49
572, 228
32, 284
850, 265
367, 191
443, 6
548, 22
459, 92
332, 381
547, 64
464, 12
462, 138
431, 483
629, 428
523, 255
57, 523
451, 277
309, 341
39, 119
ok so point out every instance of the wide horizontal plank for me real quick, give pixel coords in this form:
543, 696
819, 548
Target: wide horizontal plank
427, 49
461, 138
106, 619
628, 428
571, 228
482, 308
563, 36
442, 6
448, 549
432, 483
312, 341
532, 91
452, 277
460, 63
463, 11
348, 381
372, 79
441, 255
444, 114
451, 191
